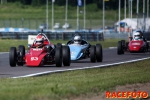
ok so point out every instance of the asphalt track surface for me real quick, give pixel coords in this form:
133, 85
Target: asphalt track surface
109, 56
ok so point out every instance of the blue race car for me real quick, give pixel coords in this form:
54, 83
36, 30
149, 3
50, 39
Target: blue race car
81, 49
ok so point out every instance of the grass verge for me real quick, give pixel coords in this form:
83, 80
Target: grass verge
63, 86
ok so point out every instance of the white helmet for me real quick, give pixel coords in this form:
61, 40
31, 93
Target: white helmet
39, 40
77, 39
136, 35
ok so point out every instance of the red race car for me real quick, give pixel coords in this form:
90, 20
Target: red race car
134, 46
47, 54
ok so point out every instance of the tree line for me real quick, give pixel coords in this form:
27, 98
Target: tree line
110, 4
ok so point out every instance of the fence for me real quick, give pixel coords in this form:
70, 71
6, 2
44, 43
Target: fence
35, 23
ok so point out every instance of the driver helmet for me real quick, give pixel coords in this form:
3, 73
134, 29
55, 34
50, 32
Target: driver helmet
39, 40
77, 39
137, 35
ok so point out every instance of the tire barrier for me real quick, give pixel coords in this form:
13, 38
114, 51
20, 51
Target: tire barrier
1, 35
17, 36
63, 36
48, 35
92, 36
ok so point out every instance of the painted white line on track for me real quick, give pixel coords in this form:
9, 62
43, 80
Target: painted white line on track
112, 47
98, 66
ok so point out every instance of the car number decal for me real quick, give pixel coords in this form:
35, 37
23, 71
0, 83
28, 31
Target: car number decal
135, 43
34, 58
39, 49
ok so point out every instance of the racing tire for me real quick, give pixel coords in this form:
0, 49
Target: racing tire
126, 46
123, 46
123, 42
66, 56
119, 48
54, 45
147, 46
93, 54
58, 56
12, 56
21, 49
59, 45
99, 53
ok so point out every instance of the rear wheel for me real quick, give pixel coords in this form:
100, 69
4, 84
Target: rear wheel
126, 47
66, 55
119, 48
58, 56
147, 46
21, 50
59, 45
99, 53
92, 53
123, 45
12, 56
123, 42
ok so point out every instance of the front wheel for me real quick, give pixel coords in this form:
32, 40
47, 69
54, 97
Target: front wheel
126, 47
123, 42
147, 46
58, 56
119, 48
66, 56
92, 54
12, 56
99, 53
21, 51
59, 45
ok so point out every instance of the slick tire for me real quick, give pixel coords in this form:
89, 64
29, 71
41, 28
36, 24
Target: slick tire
21, 49
147, 46
119, 48
93, 54
12, 56
99, 53
66, 55
58, 56
59, 45
127, 43
123, 42
123, 46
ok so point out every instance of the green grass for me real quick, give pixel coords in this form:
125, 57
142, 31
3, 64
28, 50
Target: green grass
62, 86
18, 11
7, 43
17, 15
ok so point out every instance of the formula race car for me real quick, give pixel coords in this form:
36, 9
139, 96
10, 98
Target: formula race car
134, 46
40, 56
81, 49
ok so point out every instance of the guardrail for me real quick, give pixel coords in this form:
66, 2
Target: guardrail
116, 36
92, 36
